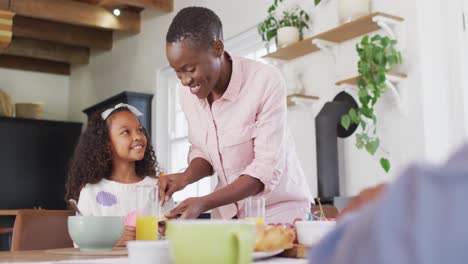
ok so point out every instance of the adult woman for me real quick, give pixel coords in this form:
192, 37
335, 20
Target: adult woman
236, 112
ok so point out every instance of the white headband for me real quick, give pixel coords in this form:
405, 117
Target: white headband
109, 111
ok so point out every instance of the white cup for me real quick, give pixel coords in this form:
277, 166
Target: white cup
149, 252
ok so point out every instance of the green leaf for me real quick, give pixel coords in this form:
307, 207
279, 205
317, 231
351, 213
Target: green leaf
361, 82
365, 101
381, 76
345, 121
364, 137
376, 38
362, 93
359, 141
363, 67
374, 119
372, 146
379, 57
376, 97
363, 124
385, 164
400, 58
385, 41
367, 112
365, 40
354, 116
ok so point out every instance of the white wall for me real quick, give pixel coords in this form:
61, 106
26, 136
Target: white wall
421, 132
432, 123
50, 89
402, 135
134, 59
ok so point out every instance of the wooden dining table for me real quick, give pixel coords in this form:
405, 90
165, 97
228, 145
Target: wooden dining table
43, 256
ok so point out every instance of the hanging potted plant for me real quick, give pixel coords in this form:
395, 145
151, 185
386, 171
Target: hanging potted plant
378, 57
285, 22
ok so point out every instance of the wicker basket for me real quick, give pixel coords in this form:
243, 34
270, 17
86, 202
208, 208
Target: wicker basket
30, 110
6, 104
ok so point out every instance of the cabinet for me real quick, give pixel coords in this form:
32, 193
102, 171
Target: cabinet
142, 101
34, 159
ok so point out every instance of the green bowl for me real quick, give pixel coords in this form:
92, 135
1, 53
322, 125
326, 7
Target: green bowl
95, 233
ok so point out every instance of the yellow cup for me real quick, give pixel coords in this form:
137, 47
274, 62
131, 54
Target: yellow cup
147, 228
147, 212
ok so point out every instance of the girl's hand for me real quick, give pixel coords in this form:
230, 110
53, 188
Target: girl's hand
129, 234
190, 208
169, 184
162, 228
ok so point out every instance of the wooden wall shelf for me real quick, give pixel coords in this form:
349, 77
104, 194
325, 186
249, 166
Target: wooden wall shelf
339, 34
353, 80
293, 98
303, 96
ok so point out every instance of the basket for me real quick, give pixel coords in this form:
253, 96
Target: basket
29, 110
6, 104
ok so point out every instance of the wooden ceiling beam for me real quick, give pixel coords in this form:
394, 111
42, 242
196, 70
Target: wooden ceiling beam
47, 51
77, 13
6, 28
37, 65
39, 29
163, 5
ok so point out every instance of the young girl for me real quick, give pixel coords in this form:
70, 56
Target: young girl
111, 159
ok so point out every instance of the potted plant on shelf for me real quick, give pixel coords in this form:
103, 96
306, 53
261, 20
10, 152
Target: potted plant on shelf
285, 22
378, 57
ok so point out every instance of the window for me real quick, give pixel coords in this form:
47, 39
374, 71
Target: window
247, 44
179, 144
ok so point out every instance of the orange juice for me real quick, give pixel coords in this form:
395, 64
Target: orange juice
147, 227
257, 220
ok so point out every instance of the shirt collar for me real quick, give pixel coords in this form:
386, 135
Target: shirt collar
234, 86
233, 89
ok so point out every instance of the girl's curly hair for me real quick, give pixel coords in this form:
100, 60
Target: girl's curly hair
92, 159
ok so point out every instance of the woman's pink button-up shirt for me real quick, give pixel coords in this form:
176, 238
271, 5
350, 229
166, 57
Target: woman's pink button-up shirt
245, 133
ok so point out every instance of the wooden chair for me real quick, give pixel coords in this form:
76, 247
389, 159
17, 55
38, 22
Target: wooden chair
40, 230
6, 230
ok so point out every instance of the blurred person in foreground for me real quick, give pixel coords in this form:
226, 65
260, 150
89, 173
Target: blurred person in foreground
420, 218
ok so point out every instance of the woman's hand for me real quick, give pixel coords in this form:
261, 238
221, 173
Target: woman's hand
190, 208
171, 183
129, 234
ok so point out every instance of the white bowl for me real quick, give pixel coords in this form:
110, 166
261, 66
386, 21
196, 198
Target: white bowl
149, 252
310, 232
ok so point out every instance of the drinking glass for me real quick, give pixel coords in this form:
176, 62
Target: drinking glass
147, 201
255, 209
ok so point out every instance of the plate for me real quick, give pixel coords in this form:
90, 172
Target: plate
263, 254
